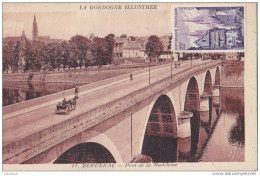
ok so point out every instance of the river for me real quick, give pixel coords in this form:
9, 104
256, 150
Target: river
18, 92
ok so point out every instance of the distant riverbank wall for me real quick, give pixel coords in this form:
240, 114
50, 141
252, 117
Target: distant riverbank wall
81, 76
232, 74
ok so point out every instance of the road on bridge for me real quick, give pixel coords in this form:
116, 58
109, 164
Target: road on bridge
17, 125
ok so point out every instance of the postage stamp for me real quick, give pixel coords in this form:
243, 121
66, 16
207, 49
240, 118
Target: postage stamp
208, 28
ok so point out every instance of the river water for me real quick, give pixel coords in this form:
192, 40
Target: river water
220, 138
18, 92
224, 138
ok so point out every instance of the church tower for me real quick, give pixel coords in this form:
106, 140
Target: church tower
35, 30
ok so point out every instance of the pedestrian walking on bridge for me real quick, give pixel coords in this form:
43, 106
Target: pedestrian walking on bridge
131, 77
76, 90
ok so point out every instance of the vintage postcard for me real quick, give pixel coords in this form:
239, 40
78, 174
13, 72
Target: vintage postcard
129, 86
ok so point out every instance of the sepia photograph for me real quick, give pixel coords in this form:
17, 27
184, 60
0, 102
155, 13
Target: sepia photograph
129, 86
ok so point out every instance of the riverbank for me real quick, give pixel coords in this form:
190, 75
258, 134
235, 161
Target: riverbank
232, 74
79, 76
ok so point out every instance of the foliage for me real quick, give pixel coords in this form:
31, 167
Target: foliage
123, 36
7, 57
153, 47
99, 51
79, 51
110, 44
80, 45
170, 43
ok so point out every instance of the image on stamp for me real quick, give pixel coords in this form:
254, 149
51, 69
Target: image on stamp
209, 28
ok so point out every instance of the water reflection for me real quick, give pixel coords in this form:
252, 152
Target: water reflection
221, 133
195, 130
237, 132
18, 92
225, 142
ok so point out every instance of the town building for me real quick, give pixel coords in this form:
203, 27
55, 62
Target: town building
19, 43
234, 56
44, 39
13, 40
131, 50
119, 47
35, 37
127, 48
231, 38
218, 39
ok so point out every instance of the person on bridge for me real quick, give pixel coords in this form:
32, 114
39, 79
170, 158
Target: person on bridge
76, 90
64, 102
131, 77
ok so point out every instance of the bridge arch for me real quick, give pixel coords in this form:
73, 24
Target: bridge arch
217, 76
208, 88
86, 137
88, 152
192, 101
161, 130
192, 104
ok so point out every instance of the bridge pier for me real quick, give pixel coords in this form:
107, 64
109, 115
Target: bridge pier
204, 102
216, 91
204, 118
205, 111
216, 101
184, 129
184, 135
216, 95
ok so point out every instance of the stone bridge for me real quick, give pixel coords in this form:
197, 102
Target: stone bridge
157, 119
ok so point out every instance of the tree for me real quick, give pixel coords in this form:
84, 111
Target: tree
28, 56
123, 36
153, 47
170, 43
32, 56
99, 50
7, 56
15, 57
110, 46
178, 55
170, 46
80, 46
65, 54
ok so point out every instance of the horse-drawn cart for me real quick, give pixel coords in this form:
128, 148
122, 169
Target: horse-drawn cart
66, 106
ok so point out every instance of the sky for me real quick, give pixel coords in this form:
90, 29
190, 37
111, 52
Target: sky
62, 22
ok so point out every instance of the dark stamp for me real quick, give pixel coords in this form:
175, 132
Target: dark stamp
208, 28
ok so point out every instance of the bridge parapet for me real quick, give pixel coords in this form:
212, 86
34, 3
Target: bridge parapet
29, 103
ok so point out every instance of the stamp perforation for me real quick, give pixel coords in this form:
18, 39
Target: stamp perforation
223, 30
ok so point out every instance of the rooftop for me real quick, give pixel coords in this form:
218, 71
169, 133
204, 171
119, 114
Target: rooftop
133, 45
